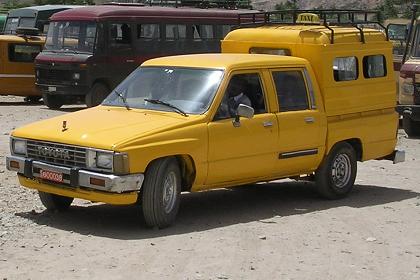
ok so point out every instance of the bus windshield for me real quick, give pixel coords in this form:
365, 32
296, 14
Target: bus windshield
71, 36
188, 90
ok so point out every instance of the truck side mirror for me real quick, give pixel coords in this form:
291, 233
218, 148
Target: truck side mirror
244, 111
397, 32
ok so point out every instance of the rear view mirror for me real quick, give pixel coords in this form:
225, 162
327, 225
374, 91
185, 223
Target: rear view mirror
243, 111
397, 32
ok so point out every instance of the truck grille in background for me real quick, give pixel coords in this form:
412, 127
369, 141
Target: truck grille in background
76, 155
54, 75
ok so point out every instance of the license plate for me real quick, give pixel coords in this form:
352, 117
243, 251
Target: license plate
50, 89
51, 176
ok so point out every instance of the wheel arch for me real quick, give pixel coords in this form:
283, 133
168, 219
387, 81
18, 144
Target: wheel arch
355, 143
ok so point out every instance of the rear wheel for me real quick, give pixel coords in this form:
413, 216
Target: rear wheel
336, 175
54, 201
96, 94
161, 192
52, 101
32, 99
412, 128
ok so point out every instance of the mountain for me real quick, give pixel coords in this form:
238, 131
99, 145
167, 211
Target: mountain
331, 4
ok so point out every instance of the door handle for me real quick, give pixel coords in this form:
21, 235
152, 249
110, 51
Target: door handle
309, 119
129, 60
268, 124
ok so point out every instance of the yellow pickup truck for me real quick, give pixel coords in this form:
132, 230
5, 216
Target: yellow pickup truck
198, 122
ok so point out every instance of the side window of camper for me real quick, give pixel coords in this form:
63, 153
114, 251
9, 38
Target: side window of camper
374, 66
345, 68
119, 35
148, 31
23, 53
291, 90
176, 32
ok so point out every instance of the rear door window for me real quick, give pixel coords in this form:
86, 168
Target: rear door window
345, 68
374, 66
119, 35
291, 90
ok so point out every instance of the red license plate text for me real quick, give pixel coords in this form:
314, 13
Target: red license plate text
51, 176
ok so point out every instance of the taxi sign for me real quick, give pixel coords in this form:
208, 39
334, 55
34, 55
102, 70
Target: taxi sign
307, 18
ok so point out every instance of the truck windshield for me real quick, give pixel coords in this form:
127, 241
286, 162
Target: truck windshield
13, 22
71, 36
189, 90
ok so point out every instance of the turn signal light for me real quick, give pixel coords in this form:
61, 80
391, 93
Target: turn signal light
14, 164
97, 182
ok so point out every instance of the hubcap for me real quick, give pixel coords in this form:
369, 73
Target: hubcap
341, 170
169, 192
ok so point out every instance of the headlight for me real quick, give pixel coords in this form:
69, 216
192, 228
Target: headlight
104, 160
76, 76
406, 86
113, 161
18, 146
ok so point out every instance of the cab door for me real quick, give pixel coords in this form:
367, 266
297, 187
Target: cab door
302, 127
238, 153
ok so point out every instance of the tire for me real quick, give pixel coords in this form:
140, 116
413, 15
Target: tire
330, 184
32, 99
163, 176
55, 202
96, 94
52, 101
412, 128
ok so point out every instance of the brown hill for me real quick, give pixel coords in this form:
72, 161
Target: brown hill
331, 4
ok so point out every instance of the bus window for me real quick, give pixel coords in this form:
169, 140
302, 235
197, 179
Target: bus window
176, 32
203, 32
222, 30
27, 22
119, 35
148, 31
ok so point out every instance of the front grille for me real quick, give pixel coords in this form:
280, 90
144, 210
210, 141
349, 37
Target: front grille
57, 153
54, 75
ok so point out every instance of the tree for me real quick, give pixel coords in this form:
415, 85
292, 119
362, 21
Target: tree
388, 9
288, 5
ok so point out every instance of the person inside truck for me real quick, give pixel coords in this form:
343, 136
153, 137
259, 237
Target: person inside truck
234, 95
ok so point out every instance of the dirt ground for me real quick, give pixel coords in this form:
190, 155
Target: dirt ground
281, 230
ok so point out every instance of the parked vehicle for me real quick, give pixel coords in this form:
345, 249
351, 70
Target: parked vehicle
17, 55
90, 50
204, 121
20, 45
32, 17
2, 21
409, 82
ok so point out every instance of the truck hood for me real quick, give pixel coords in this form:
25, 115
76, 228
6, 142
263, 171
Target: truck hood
103, 127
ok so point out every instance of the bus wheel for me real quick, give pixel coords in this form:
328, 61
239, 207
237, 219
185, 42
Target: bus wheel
96, 94
336, 175
52, 101
161, 192
55, 202
412, 128
32, 99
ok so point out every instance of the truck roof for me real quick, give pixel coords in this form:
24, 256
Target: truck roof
124, 12
308, 34
226, 61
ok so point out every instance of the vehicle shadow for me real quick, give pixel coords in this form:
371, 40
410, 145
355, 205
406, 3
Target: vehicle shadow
67, 109
20, 103
214, 209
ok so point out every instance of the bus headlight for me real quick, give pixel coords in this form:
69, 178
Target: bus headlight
407, 86
76, 76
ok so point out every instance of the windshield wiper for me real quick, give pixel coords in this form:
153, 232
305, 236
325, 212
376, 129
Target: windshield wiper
120, 95
160, 102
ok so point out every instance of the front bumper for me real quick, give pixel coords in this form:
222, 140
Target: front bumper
55, 89
74, 178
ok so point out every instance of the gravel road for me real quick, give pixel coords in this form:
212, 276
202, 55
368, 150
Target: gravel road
280, 230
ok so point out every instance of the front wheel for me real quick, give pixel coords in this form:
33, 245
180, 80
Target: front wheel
336, 175
161, 192
96, 94
54, 201
52, 101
